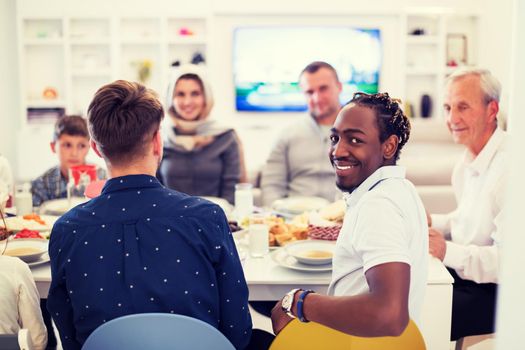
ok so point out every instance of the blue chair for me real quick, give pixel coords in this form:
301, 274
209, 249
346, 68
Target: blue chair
19, 341
156, 331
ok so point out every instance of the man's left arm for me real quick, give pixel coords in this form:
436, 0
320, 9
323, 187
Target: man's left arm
381, 240
383, 311
58, 300
235, 320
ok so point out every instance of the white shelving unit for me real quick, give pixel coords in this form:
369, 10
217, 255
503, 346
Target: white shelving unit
73, 56
426, 41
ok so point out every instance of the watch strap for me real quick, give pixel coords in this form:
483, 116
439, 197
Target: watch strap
300, 305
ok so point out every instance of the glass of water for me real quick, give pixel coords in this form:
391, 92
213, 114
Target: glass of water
258, 236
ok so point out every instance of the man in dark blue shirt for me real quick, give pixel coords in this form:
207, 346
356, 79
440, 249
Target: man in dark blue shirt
140, 247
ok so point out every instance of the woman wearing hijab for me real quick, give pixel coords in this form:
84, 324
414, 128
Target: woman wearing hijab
201, 157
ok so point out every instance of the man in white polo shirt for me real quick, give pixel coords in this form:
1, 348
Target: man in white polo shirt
381, 256
468, 239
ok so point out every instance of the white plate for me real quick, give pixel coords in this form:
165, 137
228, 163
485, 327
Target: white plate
221, 202
43, 259
309, 252
298, 205
38, 245
18, 223
281, 257
60, 206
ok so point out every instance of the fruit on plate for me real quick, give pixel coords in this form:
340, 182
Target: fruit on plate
25, 233
34, 217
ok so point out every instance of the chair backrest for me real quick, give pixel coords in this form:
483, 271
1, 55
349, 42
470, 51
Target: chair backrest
310, 336
20, 341
156, 331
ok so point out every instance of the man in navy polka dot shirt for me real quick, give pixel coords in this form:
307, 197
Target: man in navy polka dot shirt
139, 247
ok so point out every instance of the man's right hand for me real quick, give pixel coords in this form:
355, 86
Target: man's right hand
437, 245
429, 219
279, 318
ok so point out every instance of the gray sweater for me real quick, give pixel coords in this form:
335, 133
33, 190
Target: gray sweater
299, 165
209, 171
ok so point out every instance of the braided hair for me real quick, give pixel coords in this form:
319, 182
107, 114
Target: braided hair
389, 116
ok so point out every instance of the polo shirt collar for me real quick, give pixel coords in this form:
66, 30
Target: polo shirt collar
383, 173
480, 164
129, 182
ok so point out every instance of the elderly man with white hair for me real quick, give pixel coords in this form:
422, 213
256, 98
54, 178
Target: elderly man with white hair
468, 239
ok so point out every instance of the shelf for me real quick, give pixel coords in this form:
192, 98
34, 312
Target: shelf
43, 41
88, 73
188, 40
418, 71
81, 53
89, 41
46, 104
423, 39
140, 41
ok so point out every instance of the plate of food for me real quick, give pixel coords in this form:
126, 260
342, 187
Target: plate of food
29, 250
32, 222
311, 252
43, 259
221, 202
60, 206
298, 205
280, 232
282, 258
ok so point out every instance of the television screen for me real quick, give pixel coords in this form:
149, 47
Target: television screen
267, 62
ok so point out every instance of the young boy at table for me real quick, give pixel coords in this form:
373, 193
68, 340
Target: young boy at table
71, 145
381, 256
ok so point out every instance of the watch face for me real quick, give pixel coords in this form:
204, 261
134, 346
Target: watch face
287, 302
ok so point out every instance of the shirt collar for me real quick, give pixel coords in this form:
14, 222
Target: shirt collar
383, 173
130, 181
58, 174
482, 161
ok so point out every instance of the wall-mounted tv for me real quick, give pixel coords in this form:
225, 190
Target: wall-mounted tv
267, 62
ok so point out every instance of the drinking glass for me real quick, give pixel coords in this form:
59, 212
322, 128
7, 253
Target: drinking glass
243, 200
258, 236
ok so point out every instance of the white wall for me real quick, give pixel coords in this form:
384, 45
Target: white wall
495, 44
9, 106
257, 130
511, 304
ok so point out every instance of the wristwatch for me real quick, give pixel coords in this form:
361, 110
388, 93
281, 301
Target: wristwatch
287, 302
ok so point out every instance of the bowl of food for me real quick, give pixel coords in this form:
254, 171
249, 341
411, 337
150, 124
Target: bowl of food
311, 252
27, 249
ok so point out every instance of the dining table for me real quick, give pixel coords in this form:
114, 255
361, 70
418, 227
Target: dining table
267, 279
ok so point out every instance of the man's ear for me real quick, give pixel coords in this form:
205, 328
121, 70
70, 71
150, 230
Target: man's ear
157, 143
340, 86
390, 147
95, 148
52, 144
493, 109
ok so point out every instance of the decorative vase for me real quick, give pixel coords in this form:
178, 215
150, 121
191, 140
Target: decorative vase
426, 106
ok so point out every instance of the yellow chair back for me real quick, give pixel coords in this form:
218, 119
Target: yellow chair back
314, 336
